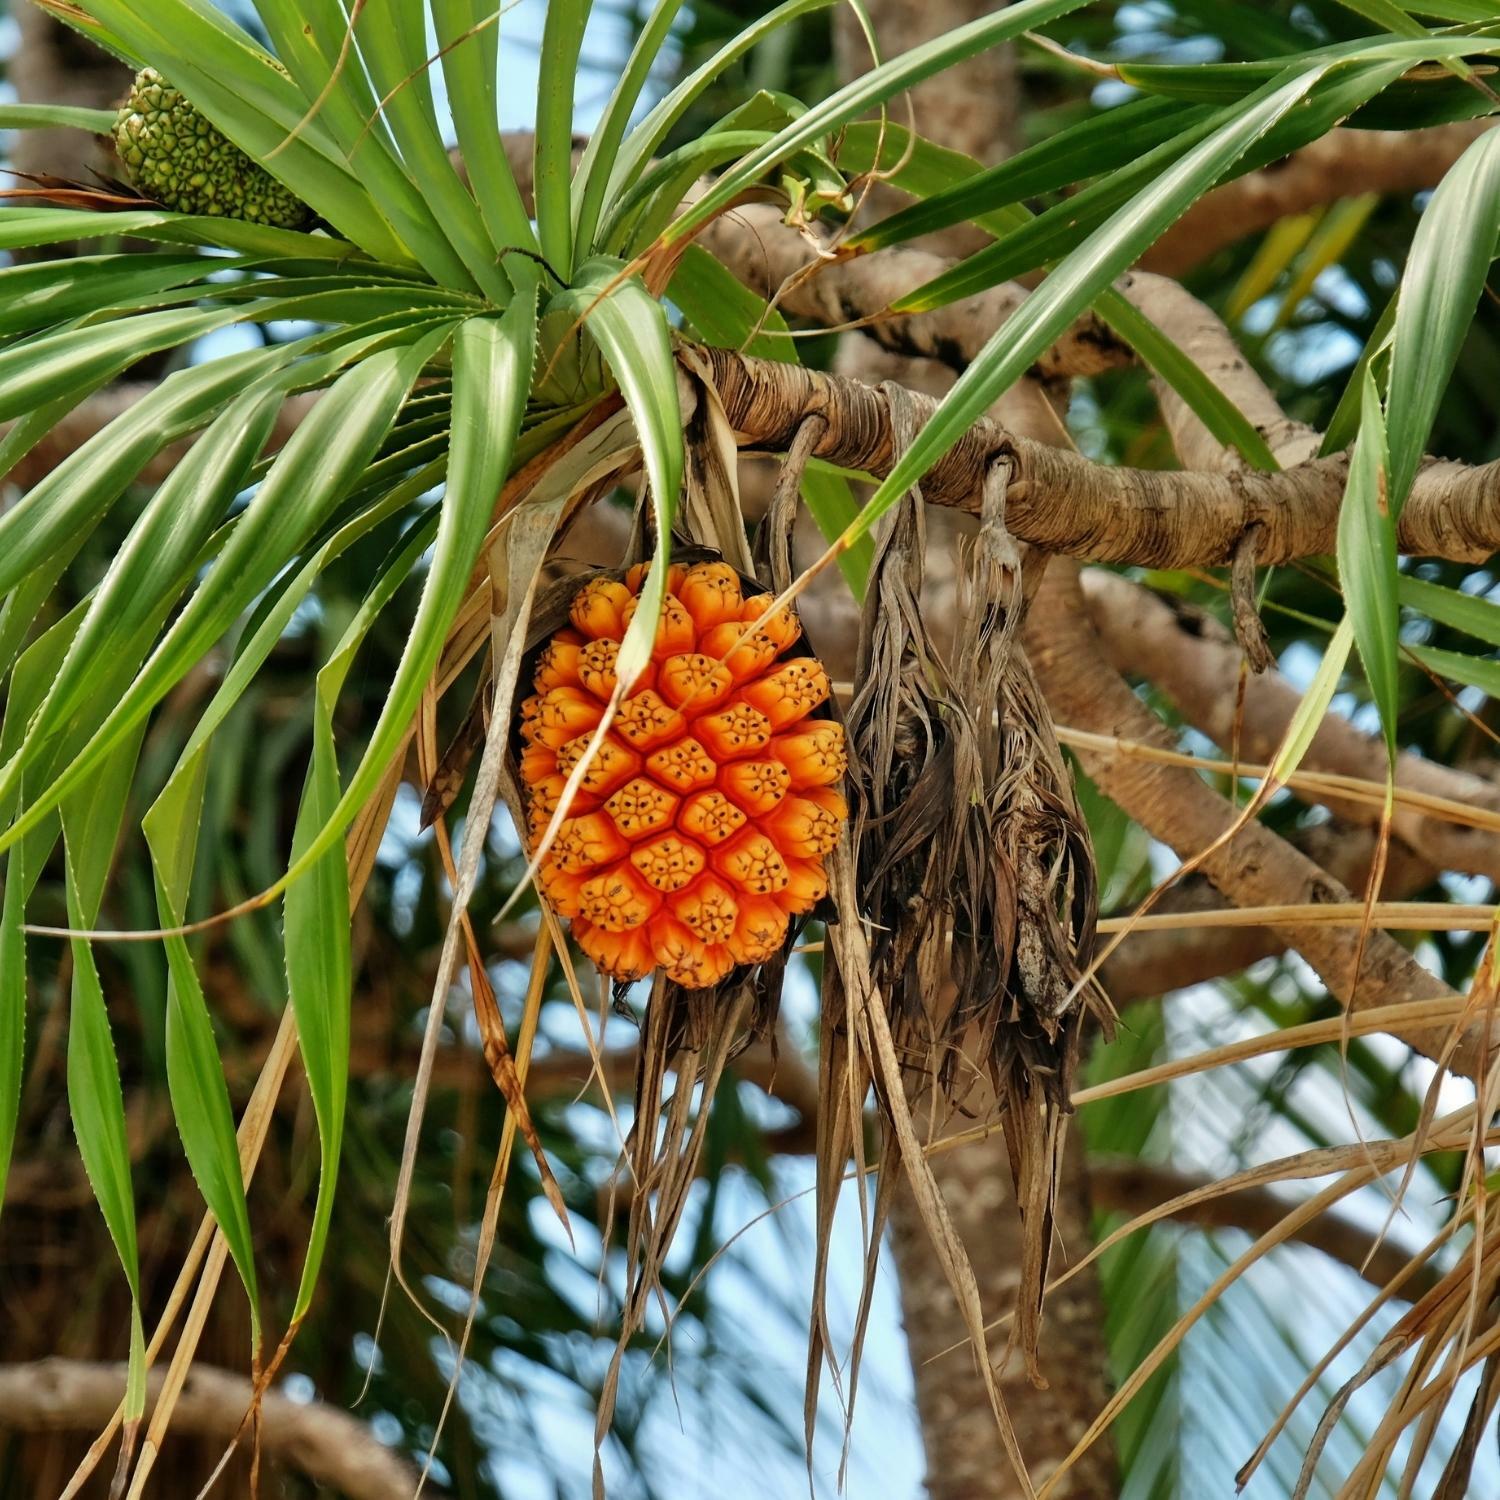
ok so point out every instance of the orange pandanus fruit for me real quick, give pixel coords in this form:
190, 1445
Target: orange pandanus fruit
699, 828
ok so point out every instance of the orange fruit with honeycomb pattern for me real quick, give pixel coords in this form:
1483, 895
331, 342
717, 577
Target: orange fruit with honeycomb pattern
701, 824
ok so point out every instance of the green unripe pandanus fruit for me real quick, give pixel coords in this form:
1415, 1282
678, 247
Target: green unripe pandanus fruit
174, 154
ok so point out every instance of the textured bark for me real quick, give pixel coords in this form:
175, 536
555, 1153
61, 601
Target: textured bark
964, 1457
1256, 867
1343, 163
1152, 963
1061, 502
328, 1446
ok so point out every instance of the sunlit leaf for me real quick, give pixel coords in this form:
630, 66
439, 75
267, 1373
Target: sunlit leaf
1446, 270
1367, 563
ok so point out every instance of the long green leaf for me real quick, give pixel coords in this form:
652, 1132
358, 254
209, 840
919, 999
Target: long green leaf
21, 228
48, 292
639, 215
602, 151
552, 170
46, 116
724, 311
1367, 564
71, 499
1313, 708
318, 960
920, 167
96, 1100
1343, 425
42, 368
312, 38
468, 34
205, 1122
1445, 273
323, 459
195, 1077
1048, 310
1394, 19
393, 41
492, 368
642, 144
144, 577
1479, 617
35, 668
875, 87
1061, 228
1482, 672
12, 1004
319, 969
631, 328
1113, 138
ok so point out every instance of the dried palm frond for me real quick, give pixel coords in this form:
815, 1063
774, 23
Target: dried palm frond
976, 900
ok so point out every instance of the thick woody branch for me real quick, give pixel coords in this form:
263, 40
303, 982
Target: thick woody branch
1190, 657
1155, 962
327, 1445
1340, 165
1136, 1187
781, 264
1201, 334
1255, 867
1063, 503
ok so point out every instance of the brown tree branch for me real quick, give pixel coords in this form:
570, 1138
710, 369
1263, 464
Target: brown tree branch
1063, 503
327, 1445
1135, 1187
1156, 962
1340, 165
1201, 334
779, 263
1255, 867
1193, 659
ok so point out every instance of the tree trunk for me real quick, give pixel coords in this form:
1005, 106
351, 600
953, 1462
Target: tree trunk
964, 1457
55, 65
975, 108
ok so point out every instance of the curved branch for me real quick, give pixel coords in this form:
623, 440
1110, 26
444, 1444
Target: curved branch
1155, 962
1201, 335
1340, 165
1063, 503
1190, 657
329, 1446
1254, 868
1135, 1187
775, 261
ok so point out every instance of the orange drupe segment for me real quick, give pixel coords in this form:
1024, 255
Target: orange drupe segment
701, 819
